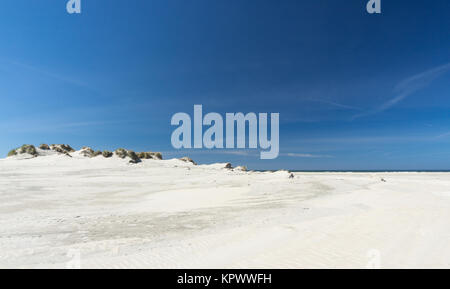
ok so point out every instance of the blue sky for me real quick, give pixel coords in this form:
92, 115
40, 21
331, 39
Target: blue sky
354, 91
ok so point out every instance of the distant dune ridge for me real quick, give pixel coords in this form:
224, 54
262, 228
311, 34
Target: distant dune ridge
27, 151
30, 151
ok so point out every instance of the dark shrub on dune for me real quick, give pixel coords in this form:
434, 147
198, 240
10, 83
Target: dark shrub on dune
44, 147
121, 153
150, 155
134, 157
25, 149
62, 148
28, 149
188, 160
107, 154
144, 155
87, 152
68, 148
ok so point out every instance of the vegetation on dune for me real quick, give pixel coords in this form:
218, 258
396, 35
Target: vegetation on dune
62, 148
57, 149
150, 155
134, 157
87, 152
121, 153
67, 148
44, 147
107, 154
25, 149
144, 155
241, 168
28, 149
188, 160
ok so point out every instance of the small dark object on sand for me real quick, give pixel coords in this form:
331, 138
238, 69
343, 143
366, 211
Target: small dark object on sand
291, 176
383, 180
188, 160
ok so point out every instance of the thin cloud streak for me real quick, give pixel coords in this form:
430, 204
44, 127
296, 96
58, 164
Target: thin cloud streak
48, 74
378, 139
33, 126
215, 151
300, 155
251, 152
408, 87
334, 104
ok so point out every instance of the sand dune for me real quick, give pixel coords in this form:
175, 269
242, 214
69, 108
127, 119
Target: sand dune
58, 212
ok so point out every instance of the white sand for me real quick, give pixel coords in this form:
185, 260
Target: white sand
58, 212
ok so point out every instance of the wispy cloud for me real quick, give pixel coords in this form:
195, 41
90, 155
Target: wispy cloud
48, 74
300, 155
443, 135
365, 140
408, 87
24, 126
379, 139
250, 152
334, 104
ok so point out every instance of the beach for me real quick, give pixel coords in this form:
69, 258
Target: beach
77, 212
